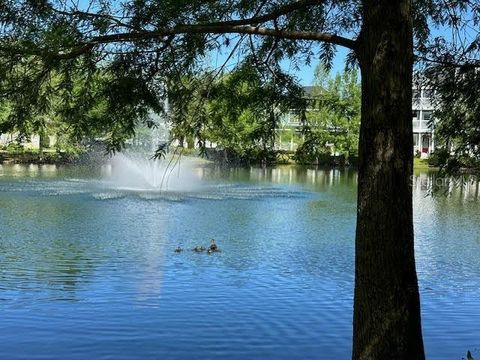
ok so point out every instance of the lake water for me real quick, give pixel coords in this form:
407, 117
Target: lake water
88, 268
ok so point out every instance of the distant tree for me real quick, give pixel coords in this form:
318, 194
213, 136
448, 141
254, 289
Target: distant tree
132, 48
187, 108
333, 124
239, 111
457, 115
449, 68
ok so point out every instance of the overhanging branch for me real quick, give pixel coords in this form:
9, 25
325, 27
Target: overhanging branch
250, 26
225, 29
211, 29
254, 20
189, 29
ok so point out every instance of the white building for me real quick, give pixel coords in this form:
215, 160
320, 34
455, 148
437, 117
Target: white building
423, 125
33, 142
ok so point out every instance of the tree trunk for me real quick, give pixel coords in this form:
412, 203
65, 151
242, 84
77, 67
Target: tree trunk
387, 306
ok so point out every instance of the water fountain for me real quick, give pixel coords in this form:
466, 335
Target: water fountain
135, 169
174, 177
139, 172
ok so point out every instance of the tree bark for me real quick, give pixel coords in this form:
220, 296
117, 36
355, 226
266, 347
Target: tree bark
387, 306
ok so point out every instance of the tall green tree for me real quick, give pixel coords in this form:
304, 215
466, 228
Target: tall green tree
141, 43
449, 65
333, 122
457, 115
239, 111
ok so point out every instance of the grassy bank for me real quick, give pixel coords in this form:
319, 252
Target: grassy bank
421, 164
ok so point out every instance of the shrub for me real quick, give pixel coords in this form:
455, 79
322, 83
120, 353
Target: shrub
438, 157
15, 148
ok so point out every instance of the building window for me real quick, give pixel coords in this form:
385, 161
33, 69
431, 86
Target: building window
427, 115
416, 119
426, 118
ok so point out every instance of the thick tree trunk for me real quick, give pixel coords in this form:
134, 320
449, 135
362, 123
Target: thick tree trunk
387, 306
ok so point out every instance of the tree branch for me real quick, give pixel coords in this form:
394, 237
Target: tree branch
254, 20
212, 29
463, 63
191, 29
273, 15
225, 29
85, 14
248, 26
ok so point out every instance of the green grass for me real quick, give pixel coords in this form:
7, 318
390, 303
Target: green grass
420, 163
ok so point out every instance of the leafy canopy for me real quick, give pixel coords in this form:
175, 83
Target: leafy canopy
333, 121
113, 58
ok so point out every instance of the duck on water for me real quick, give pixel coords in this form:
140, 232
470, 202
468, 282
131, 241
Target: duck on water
200, 248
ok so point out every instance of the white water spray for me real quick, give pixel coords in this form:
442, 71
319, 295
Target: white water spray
138, 172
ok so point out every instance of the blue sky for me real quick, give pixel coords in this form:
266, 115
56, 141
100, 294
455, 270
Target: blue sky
305, 73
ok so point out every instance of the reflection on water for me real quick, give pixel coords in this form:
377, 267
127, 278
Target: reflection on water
32, 170
87, 269
461, 186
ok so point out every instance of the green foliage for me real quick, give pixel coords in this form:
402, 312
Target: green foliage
333, 123
101, 66
451, 163
312, 151
15, 148
449, 61
239, 111
457, 115
161, 151
439, 157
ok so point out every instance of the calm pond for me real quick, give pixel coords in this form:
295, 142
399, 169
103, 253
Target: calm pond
88, 268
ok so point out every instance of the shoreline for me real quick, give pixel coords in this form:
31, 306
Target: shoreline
50, 158
99, 158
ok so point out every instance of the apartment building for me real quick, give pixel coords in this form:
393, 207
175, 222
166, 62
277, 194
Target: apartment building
423, 122
422, 119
